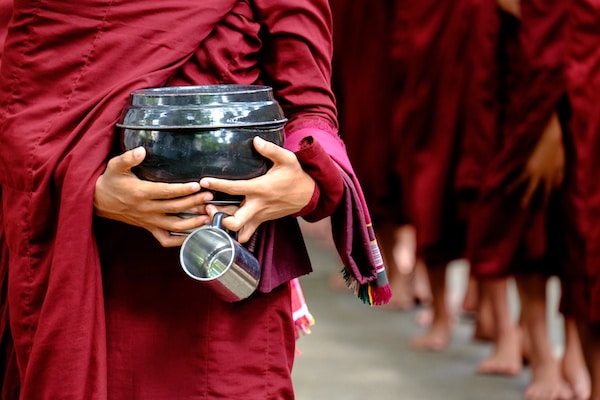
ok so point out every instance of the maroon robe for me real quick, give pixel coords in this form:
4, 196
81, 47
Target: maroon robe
362, 73
9, 382
5, 14
503, 236
97, 308
581, 295
431, 44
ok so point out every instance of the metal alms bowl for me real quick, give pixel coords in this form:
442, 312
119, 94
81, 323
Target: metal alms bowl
190, 132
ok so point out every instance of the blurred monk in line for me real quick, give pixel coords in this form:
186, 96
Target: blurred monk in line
515, 227
431, 42
362, 75
581, 291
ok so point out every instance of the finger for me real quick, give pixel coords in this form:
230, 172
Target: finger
246, 233
270, 150
166, 239
169, 191
129, 159
180, 222
212, 209
194, 203
529, 191
232, 187
242, 217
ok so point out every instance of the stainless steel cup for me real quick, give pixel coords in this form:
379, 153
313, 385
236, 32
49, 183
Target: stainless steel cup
209, 254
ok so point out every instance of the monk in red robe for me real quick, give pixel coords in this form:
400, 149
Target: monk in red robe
362, 74
98, 305
581, 292
431, 44
520, 186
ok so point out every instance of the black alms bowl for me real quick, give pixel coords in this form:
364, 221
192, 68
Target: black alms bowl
190, 132
189, 154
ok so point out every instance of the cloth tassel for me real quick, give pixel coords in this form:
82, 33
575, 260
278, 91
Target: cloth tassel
374, 293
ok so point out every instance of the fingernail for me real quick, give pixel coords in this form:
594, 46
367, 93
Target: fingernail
259, 142
138, 152
195, 186
205, 182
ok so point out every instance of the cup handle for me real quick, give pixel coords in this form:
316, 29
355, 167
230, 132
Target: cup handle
217, 222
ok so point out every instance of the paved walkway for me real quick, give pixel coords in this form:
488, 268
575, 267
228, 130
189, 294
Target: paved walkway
359, 352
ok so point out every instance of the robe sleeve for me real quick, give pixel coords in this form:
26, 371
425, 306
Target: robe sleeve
329, 187
297, 56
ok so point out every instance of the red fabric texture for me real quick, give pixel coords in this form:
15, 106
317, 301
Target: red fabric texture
67, 73
5, 14
362, 73
9, 378
504, 237
330, 186
430, 50
168, 338
582, 201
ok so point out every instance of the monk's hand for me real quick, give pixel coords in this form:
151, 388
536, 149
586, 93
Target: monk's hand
122, 196
284, 190
511, 6
545, 167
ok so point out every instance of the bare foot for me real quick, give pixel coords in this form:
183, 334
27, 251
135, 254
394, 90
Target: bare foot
506, 358
547, 384
424, 317
435, 339
471, 299
404, 249
484, 325
421, 288
575, 372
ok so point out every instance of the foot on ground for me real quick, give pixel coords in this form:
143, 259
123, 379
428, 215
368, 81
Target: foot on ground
547, 384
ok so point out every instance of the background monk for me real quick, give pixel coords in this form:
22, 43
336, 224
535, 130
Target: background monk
526, 169
362, 74
99, 307
581, 293
430, 82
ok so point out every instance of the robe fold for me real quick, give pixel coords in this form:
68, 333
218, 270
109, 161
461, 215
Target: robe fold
9, 380
362, 73
431, 43
581, 293
98, 310
504, 237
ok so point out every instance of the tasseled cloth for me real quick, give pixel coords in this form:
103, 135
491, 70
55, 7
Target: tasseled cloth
351, 225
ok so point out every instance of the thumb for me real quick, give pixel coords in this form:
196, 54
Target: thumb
127, 160
271, 151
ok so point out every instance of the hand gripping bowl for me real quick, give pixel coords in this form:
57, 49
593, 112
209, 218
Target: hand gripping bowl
191, 132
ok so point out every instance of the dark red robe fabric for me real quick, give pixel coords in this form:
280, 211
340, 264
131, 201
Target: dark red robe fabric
97, 309
430, 49
504, 237
581, 293
9, 381
362, 82
5, 14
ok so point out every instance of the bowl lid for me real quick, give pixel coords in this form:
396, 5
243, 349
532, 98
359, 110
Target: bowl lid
206, 106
